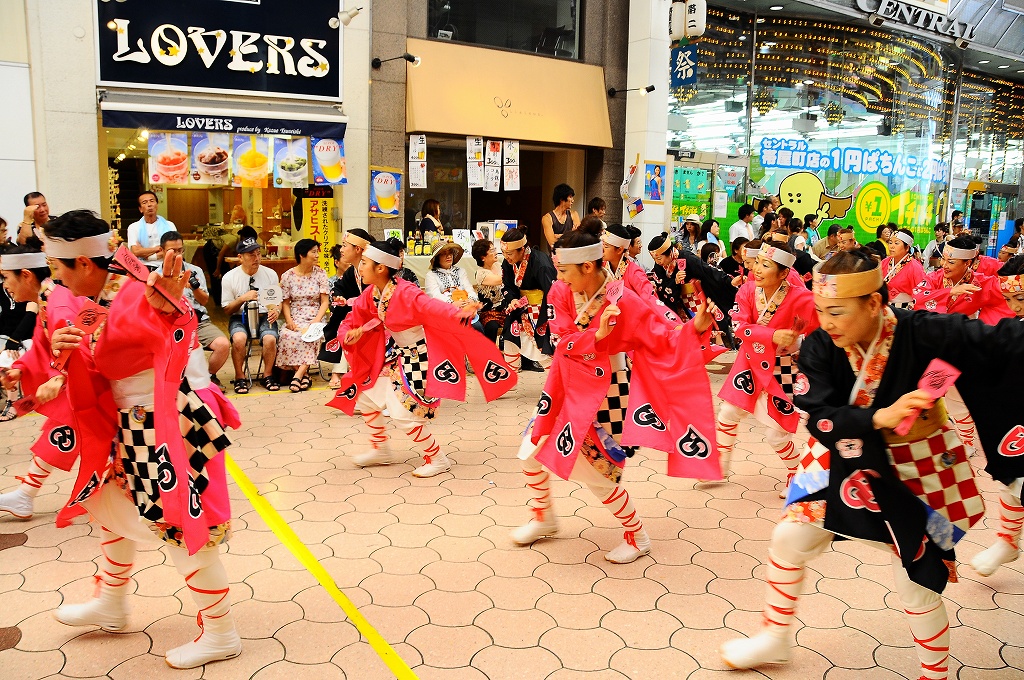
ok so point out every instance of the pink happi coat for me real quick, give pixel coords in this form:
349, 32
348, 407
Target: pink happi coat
989, 266
903, 281
754, 369
80, 420
988, 303
136, 338
449, 343
670, 406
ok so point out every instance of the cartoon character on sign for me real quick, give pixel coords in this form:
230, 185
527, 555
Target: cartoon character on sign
803, 192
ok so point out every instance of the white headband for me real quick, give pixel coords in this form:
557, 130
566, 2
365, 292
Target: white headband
10, 263
514, 245
906, 238
777, 256
616, 241
357, 241
960, 253
87, 246
380, 257
580, 255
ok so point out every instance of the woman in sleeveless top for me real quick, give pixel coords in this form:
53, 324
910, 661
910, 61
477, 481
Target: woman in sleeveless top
553, 226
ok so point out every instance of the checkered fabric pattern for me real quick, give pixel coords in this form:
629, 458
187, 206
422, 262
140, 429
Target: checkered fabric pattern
139, 458
937, 471
785, 372
816, 457
534, 311
203, 431
612, 413
416, 366
690, 298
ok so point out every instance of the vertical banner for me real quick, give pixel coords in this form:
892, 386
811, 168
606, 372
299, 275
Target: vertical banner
492, 165
475, 162
252, 161
385, 191
510, 152
318, 224
168, 158
211, 160
291, 163
417, 161
328, 161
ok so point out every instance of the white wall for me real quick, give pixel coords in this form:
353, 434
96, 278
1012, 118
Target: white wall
355, 201
62, 65
17, 155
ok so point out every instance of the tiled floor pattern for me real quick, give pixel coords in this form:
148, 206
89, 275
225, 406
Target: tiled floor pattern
430, 564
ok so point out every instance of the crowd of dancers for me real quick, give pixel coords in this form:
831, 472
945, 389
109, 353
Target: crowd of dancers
857, 351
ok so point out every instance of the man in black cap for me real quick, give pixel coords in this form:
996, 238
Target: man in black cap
239, 287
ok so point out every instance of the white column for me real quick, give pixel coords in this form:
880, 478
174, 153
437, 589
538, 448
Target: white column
355, 196
647, 117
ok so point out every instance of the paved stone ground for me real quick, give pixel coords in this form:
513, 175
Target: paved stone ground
430, 564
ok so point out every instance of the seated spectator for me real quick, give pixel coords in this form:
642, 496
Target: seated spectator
303, 303
733, 264
448, 282
404, 273
239, 287
489, 287
710, 253
210, 337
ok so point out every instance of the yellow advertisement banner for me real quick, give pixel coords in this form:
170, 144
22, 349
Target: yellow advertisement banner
318, 224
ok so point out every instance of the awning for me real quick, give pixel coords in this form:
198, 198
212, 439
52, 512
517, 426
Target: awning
199, 114
462, 90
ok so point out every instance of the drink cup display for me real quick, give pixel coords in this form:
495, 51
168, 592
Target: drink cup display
252, 163
385, 186
170, 160
212, 159
328, 155
292, 164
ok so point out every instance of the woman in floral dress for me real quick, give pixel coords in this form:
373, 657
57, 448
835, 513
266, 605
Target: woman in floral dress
304, 302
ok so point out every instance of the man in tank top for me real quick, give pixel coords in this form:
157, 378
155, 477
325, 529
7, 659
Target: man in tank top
560, 220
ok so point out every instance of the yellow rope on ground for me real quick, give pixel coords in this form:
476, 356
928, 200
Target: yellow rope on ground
291, 541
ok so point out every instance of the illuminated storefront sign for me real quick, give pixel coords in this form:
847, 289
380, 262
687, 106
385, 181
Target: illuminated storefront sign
918, 17
796, 154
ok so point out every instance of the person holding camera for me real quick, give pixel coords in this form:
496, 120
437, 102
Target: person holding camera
211, 338
239, 287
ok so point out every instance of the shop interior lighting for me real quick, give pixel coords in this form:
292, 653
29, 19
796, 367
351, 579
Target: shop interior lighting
412, 59
643, 90
1004, 66
344, 18
984, 61
775, 8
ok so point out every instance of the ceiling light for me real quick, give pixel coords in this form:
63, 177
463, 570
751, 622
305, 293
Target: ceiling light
808, 82
743, 37
1004, 66
984, 61
775, 8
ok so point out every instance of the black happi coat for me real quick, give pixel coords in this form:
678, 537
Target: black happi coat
540, 274
983, 354
717, 286
347, 287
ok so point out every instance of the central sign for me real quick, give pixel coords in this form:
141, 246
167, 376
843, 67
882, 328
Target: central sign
267, 47
918, 17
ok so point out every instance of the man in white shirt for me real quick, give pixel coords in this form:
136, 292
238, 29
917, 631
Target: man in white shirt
764, 206
741, 227
210, 337
240, 286
144, 235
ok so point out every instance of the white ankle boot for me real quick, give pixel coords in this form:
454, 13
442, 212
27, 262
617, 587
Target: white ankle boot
438, 464
18, 503
989, 560
535, 529
218, 642
381, 456
627, 552
763, 648
109, 611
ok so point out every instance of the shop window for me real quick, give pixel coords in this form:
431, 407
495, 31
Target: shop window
549, 27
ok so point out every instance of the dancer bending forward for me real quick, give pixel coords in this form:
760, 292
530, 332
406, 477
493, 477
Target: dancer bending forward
911, 494
585, 432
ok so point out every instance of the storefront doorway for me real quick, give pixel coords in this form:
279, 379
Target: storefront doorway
990, 214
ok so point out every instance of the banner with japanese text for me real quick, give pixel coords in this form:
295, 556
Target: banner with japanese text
318, 224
